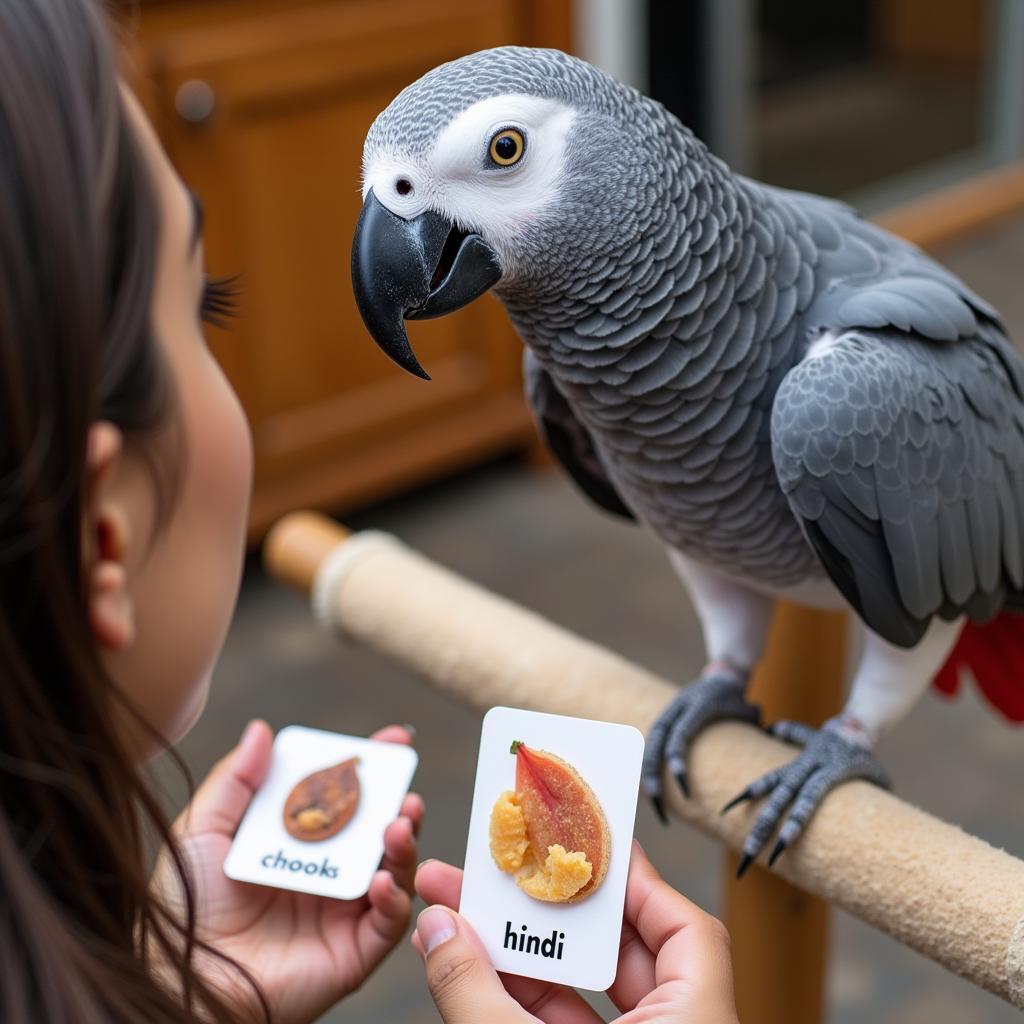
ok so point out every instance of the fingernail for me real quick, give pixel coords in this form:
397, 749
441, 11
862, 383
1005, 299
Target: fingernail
423, 863
410, 729
434, 926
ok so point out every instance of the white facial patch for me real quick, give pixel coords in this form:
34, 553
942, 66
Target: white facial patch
458, 180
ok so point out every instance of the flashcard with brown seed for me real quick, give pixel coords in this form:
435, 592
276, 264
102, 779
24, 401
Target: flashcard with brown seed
550, 836
317, 823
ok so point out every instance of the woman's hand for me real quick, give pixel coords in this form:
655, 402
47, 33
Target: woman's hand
674, 965
305, 952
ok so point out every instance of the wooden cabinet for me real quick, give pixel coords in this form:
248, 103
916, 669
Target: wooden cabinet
263, 106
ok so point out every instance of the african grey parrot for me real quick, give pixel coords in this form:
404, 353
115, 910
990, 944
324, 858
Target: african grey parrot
796, 403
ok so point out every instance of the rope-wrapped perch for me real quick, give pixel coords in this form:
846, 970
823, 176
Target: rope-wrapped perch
931, 886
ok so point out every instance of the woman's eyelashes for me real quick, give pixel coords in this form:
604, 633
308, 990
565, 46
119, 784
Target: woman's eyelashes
219, 301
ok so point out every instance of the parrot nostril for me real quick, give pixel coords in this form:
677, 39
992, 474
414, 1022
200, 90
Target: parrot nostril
403, 186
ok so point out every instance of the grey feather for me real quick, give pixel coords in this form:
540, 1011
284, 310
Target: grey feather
671, 306
947, 553
568, 439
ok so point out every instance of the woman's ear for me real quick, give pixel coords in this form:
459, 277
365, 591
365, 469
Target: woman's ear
105, 542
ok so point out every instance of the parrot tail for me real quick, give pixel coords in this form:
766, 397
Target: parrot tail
994, 653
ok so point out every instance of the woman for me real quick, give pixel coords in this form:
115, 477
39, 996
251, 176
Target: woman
125, 469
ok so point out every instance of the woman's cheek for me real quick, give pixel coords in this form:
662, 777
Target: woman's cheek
227, 461
186, 591
220, 469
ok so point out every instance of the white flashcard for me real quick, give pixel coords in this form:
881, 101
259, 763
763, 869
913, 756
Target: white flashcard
317, 823
549, 844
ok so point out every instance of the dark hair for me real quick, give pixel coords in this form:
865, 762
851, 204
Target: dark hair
81, 934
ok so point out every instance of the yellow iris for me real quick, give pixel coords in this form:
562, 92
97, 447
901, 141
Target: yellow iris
507, 147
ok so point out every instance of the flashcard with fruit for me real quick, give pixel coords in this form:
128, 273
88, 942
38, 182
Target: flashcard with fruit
549, 844
317, 823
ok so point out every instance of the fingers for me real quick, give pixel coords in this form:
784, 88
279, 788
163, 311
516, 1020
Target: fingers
395, 734
542, 1000
400, 852
688, 944
413, 809
654, 913
437, 882
635, 976
221, 800
384, 923
464, 986
549, 1003
441, 884
400, 836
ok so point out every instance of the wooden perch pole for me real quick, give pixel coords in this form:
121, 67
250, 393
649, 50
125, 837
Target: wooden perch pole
780, 932
946, 894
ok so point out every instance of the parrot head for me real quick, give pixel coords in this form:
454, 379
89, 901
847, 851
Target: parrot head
516, 169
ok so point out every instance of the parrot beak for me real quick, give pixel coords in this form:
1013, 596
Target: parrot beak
414, 270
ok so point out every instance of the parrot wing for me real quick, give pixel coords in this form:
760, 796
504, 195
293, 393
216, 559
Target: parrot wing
569, 440
903, 459
866, 277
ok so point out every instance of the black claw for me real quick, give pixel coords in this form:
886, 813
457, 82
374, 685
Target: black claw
745, 795
777, 852
659, 809
684, 784
745, 862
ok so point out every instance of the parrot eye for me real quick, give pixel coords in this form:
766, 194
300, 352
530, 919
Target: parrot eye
507, 147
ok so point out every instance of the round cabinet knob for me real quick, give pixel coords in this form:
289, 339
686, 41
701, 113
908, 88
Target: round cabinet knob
195, 101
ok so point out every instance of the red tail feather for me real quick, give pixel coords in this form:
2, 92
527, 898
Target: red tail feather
995, 655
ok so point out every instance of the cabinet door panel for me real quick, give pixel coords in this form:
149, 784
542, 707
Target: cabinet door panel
263, 106
278, 162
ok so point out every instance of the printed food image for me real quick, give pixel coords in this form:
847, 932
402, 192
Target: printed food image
551, 833
323, 803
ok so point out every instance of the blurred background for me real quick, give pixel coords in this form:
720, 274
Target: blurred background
263, 106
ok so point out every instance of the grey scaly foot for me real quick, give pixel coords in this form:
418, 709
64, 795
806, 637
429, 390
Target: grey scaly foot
831, 755
712, 698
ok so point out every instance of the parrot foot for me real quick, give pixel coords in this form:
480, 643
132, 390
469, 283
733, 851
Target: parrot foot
829, 757
712, 698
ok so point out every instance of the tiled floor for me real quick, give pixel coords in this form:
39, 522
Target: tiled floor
530, 537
